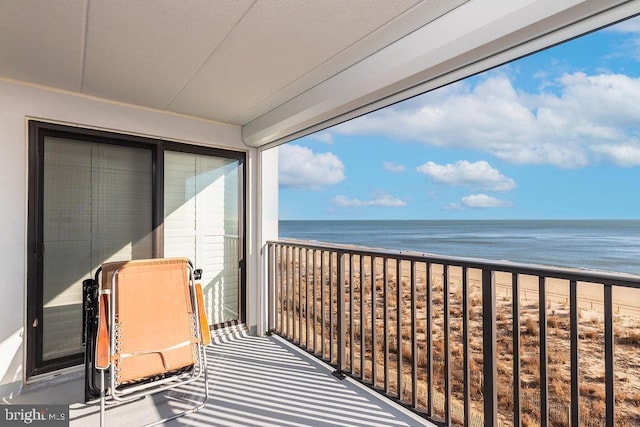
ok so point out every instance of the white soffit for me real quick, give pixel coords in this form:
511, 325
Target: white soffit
144, 52
280, 69
43, 41
224, 60
275, 44
229, 61
476, 36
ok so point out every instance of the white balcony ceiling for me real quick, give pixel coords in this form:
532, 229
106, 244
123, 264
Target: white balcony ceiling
276, 68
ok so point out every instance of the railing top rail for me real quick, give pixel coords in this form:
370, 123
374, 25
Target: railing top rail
565, 273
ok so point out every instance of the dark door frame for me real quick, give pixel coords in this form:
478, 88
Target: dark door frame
38, 131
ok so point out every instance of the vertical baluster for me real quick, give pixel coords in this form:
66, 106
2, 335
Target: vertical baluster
465, 347
281, 294
362, 318
351, 291
292, 291
447, 343
489, 348
322, 304
289, 300
374, 335
429, 343
271, 271
385, 324
575, 368
313, 310
351, 313
515, 304
306, 297
331, 316
414, 340
299, 289
609, 344
399, 326
340, 313
544, 380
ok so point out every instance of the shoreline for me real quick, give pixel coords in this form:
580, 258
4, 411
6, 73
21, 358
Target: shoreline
602, 245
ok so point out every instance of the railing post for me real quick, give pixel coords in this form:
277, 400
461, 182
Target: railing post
282, 294
299, 298
340, 317
515, 301
608, 355
544, 372
362, 319
352, 351
430, 381
399, 327
575, 371
414, 339
322, 305
306, 299
331, 292
288, 296
385, 320
374, 336
447, 343
313, 308
465, 347
489, 349
271, 271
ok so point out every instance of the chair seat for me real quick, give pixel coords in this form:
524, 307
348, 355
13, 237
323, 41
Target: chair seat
145, 329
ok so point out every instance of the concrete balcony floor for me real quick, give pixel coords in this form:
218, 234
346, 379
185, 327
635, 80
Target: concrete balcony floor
255, 381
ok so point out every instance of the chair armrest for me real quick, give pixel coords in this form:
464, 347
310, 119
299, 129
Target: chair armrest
202, 316
102, 341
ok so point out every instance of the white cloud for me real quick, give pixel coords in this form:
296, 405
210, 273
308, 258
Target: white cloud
302, 169
480, 175
479, 201
326, 137
393, 167
380, 199
621, 155
492, 116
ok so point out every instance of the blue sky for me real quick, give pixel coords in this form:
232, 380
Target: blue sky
555, 135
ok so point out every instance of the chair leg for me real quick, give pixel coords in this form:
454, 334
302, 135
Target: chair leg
102, 398
197, 406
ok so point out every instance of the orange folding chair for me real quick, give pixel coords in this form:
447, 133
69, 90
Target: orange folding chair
145, 331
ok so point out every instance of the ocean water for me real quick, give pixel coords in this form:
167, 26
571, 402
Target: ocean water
608, 245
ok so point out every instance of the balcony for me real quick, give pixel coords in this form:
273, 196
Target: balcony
459, 342
254, 381
465, 341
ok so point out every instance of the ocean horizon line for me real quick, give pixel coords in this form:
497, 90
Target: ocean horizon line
599, 244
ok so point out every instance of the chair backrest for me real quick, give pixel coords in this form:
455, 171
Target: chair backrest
153, 316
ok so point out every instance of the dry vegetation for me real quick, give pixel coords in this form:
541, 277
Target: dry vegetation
358, 311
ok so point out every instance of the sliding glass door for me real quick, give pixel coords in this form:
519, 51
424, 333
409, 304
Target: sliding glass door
96, 197
96, 207
201, 206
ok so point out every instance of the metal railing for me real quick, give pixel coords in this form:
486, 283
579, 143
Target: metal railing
464, 341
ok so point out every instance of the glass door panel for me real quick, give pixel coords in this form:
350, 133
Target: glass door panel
201, 222
97, 207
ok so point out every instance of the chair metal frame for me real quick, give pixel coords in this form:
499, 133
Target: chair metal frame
100, 302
